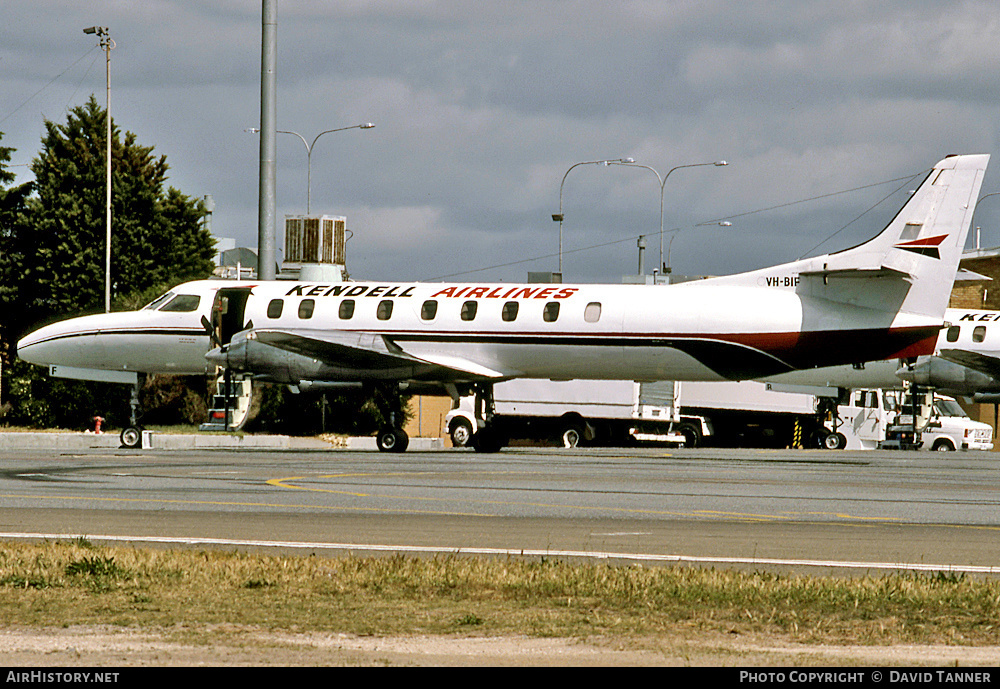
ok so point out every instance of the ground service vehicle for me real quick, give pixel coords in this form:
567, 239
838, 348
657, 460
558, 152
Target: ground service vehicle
620, 412
745, 414
889, 420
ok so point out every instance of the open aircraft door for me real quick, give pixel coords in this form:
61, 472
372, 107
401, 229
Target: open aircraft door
230, 405
228, 311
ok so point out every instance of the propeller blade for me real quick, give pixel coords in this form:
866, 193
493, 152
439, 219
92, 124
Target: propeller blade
211, 331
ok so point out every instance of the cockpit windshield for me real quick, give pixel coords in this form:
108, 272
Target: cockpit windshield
182, 303
171, 301
158, 302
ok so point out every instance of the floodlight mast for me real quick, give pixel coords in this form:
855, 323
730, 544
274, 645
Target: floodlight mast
107, 44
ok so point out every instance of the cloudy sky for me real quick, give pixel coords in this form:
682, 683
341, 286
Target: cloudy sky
481, 108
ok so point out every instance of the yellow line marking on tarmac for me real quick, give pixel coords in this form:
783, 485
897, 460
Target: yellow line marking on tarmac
785, 517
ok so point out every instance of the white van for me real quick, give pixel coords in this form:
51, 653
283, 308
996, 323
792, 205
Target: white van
884, 419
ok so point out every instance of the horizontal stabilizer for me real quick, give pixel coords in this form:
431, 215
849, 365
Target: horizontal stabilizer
857, 273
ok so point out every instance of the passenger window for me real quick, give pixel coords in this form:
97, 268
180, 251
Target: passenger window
979, 333
274, 308
592, 313
183, 303
469, 309
384, 312
953, 333
509, 312
429, 310
346, 309
306, 307
551, 312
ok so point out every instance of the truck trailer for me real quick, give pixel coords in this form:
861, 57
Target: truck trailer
618, 412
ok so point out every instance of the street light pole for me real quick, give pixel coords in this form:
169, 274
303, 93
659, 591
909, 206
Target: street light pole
981, 198
107, 44
309, 150
665, 267
558, 217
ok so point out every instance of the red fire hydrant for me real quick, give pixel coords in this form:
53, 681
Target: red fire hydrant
98, 420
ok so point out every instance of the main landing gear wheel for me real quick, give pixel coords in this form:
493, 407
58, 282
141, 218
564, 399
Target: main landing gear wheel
131, 437
487, 440
392, 440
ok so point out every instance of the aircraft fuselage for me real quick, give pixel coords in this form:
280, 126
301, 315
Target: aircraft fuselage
690, 331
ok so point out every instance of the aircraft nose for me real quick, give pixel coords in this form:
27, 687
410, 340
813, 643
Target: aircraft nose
40, 347
72, 342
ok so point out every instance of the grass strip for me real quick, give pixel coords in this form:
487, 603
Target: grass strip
75, 583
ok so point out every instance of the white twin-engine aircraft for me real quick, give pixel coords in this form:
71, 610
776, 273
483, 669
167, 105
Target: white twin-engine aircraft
884, 299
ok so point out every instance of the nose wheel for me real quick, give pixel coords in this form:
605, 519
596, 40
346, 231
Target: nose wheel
131, 436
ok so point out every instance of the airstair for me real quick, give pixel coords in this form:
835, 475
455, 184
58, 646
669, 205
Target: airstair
229, 409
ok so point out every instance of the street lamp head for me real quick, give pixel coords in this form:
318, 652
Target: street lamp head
367, 125
720, 163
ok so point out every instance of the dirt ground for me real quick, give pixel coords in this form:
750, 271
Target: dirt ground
119, 647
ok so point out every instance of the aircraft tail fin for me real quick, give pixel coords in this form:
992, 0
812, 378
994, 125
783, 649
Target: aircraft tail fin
910, 266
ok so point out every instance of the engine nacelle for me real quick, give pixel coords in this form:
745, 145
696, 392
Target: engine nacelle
948, 377
246, 355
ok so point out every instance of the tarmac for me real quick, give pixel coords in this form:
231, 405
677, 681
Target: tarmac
152, 440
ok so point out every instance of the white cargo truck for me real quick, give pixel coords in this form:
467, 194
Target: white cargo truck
620, 412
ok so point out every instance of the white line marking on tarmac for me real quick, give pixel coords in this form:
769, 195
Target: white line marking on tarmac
517, 552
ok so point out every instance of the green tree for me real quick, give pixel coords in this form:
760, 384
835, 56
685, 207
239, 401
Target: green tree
52, 254
12, 205
157, 237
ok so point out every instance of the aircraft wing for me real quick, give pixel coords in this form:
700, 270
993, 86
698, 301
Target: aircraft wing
366, 350
990, 365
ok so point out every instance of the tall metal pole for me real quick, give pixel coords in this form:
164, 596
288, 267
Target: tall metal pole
105, 42
107, 182
268, 116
